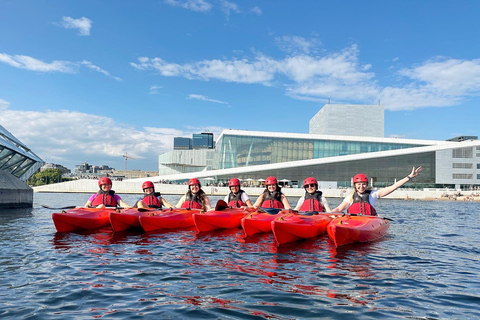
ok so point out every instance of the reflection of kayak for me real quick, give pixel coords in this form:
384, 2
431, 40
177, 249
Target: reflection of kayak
351, 228
292, 227
127, 219
81, 218
168, 219
260, 221
224, 219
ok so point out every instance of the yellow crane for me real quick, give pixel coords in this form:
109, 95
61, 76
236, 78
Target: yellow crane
126, 156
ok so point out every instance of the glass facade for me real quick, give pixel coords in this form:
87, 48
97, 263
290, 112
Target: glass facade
234, 151
242, 151
202, 140
16, 158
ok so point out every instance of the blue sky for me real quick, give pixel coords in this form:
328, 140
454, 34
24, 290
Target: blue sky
93, 80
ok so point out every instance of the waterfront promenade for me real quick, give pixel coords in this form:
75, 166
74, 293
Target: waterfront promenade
134, 187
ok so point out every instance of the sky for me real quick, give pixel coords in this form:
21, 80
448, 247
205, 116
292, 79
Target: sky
95, 80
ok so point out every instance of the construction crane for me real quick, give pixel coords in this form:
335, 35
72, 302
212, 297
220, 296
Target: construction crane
126, 156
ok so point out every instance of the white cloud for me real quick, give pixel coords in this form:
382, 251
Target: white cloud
229, 7
241, 71
257, 11
90, 65
297, 44
29, 63
154, 89
204, 98
339, 76
4, 105
194, 5
71, 137
32, 64
83, 25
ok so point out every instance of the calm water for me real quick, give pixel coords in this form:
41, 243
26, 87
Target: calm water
428, 267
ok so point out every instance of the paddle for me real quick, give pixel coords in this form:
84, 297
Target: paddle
221, 205
59, 208
150, 209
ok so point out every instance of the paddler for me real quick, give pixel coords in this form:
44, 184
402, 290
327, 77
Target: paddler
362, 201
237, 197
272, 197
195, 198
105, 197
151, 199
313, 200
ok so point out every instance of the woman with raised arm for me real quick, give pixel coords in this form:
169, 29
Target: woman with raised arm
362, 201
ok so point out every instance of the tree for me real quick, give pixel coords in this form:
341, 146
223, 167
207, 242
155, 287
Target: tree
47, 176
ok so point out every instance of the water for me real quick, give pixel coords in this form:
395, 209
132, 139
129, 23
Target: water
427, 267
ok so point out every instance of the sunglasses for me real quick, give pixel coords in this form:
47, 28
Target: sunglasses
310, 185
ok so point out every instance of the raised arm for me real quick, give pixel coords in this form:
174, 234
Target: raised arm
387, 190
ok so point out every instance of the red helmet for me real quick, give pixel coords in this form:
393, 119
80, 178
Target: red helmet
147, 184
104, 180
360, 178
271, 180
234, 182
310, 180
194, 181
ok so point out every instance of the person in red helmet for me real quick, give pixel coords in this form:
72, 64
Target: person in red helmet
272, 197
313, 200
151, 199
195, 198
362, 201
105, 197
237, 197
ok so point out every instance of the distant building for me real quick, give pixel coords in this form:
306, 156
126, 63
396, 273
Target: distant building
181, 143
349, 120
63, 170
91, 171
463, 138
203, 141
133, 174
188, 155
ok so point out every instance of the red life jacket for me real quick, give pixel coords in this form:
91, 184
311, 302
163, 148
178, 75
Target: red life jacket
192, 201
152, 201
361, 204
105, 198
235, 200
313, 202
272, 199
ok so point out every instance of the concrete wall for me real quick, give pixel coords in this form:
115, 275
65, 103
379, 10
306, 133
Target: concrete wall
14, 193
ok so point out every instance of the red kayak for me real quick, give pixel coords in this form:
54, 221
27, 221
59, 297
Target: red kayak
260, 221
224, 219
81, 219
292, 227
168, 219
352, 228
128, 218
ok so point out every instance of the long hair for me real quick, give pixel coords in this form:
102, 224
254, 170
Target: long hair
200, 196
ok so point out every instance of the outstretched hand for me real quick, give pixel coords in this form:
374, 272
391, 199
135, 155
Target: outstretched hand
415, 172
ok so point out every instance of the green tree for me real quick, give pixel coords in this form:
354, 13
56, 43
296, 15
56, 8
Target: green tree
47, 176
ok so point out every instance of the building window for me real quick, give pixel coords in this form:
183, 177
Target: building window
462, 176
462, 153
478, 165
462, 165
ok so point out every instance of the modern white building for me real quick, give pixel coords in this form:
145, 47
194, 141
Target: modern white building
335, 157
349, 120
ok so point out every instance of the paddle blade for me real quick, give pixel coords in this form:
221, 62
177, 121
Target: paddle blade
221, 205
